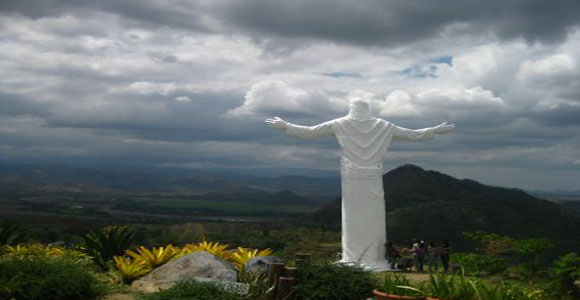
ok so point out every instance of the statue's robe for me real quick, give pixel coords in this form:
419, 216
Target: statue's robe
364, 143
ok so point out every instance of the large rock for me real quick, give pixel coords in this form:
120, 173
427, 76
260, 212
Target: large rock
260, 264
188, 267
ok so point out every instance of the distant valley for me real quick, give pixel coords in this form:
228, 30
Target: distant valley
420, 203
136, 195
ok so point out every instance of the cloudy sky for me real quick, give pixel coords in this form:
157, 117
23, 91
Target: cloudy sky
184, 83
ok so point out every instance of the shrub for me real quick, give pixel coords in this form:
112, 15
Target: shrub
531, 251
47, 279
320, 280
107, 242
261, 287
458, 287
491, 243
566, 270
453, 287
398, 284
504, 291
477, 264
11, 233
192, 290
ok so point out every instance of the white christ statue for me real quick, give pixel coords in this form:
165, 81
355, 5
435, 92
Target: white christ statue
364, 140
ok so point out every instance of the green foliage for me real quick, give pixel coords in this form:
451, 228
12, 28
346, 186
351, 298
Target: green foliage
521, 272
398, 284
568, 266
261, 288
566, 270
491, 243
319, 280
458, 287
524, 255
192, 290
478, 264
108, 242
531, 251
504, 291
11, 233
46, 279
452, 287
532, 247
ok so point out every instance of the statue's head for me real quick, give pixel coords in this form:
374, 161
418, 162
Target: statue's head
359, 109
359, 103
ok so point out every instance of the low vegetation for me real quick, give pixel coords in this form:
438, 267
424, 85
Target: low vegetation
47, 276
323, 280
107, 259
192, 290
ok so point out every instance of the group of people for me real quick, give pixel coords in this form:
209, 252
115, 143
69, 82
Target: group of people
415, 255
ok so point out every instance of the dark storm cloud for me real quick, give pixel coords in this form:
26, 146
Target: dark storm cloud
160, 118
401, 21
17, 104
362, 23
180, 14
563, 115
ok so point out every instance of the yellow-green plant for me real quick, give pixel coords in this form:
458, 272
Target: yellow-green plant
242, 255
31, 250
131, 268
155, 257
215, 248
40, 250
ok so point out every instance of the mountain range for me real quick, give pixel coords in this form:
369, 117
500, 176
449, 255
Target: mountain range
156, 180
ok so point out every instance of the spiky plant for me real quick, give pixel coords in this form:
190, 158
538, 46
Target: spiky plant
107, 242
215, 248
242, 255
11, 233
261, 287
154, 257
130, 268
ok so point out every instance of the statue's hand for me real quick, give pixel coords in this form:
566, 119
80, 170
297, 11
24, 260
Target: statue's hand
276, 122
444, 128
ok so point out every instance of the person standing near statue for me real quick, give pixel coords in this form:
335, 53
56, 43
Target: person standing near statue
433, 254
364, 140
392, 254
445, 253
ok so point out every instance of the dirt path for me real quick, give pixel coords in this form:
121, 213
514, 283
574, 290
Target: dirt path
120, 296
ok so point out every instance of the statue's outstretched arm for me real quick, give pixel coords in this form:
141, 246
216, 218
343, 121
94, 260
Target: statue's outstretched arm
300, 131
428, 133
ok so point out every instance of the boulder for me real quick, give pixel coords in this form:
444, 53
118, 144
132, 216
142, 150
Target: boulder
260, 264
194, 266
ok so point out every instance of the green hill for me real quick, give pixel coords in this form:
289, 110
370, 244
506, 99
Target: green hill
433, 206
